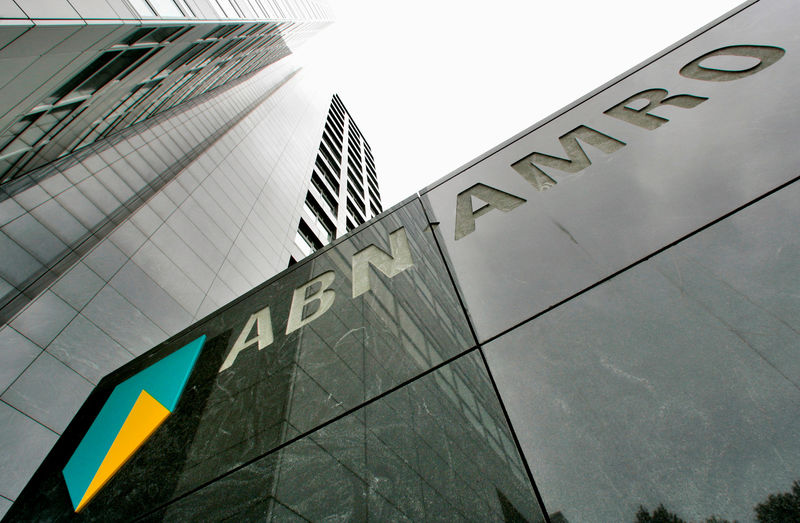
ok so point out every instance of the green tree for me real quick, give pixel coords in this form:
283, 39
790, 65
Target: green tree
780, 508
662, 515
659, 515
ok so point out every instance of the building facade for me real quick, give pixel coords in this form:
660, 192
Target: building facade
186, 175
594, 319
75, 72
344, 184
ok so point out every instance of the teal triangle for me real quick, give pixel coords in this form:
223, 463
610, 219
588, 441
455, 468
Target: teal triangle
164, 380
83, 464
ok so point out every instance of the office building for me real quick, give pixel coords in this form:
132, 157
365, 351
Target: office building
596, 318
75, 72
162, 167
274, 387
344, 185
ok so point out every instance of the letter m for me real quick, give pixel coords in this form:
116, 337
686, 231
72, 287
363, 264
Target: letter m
578, 160
399, 261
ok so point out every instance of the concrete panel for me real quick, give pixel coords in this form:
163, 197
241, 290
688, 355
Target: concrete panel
25, 444
49, 392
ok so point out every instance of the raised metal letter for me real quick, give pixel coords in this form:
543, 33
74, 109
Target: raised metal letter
399, 261
577, 157
494, 198
263, 323
300, 299
766, 54
654, 97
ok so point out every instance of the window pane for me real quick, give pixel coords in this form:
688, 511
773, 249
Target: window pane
142, 8
166, 8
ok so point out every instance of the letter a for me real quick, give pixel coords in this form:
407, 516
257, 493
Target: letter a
494, 198
399, 261
263, 323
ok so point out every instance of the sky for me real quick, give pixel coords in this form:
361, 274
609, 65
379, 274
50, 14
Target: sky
434, 84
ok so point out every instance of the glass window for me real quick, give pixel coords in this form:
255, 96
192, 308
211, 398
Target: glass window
166, 8
302, 244
228, 8
142, 8
109, 72
308, 235
85, 73
161, 34
137, 35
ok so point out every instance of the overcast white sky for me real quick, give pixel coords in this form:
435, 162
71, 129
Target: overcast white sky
433, 84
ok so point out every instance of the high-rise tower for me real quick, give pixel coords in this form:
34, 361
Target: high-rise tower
596, 318
75, 72
153, 169
344, 186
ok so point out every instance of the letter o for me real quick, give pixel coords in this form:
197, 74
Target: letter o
766, 55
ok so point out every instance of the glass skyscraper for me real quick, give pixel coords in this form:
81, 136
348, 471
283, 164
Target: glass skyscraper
157, 160
597, 320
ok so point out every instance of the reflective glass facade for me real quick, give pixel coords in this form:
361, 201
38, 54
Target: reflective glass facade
117, 247
594, 321
76, 72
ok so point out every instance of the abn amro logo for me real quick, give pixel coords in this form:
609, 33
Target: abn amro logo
132, 413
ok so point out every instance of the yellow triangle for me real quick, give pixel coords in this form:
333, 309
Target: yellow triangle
145, 417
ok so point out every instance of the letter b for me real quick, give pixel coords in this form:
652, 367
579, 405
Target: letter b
300, 299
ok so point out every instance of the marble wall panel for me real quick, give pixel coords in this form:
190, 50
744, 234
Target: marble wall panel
676, 382
585, 193
245, 400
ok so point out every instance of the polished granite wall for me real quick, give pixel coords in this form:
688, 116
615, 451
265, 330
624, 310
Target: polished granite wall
630, 265
587, 326
112, 250
675, 382
377, 406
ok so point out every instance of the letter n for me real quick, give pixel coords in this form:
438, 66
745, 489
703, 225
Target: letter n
391, 266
